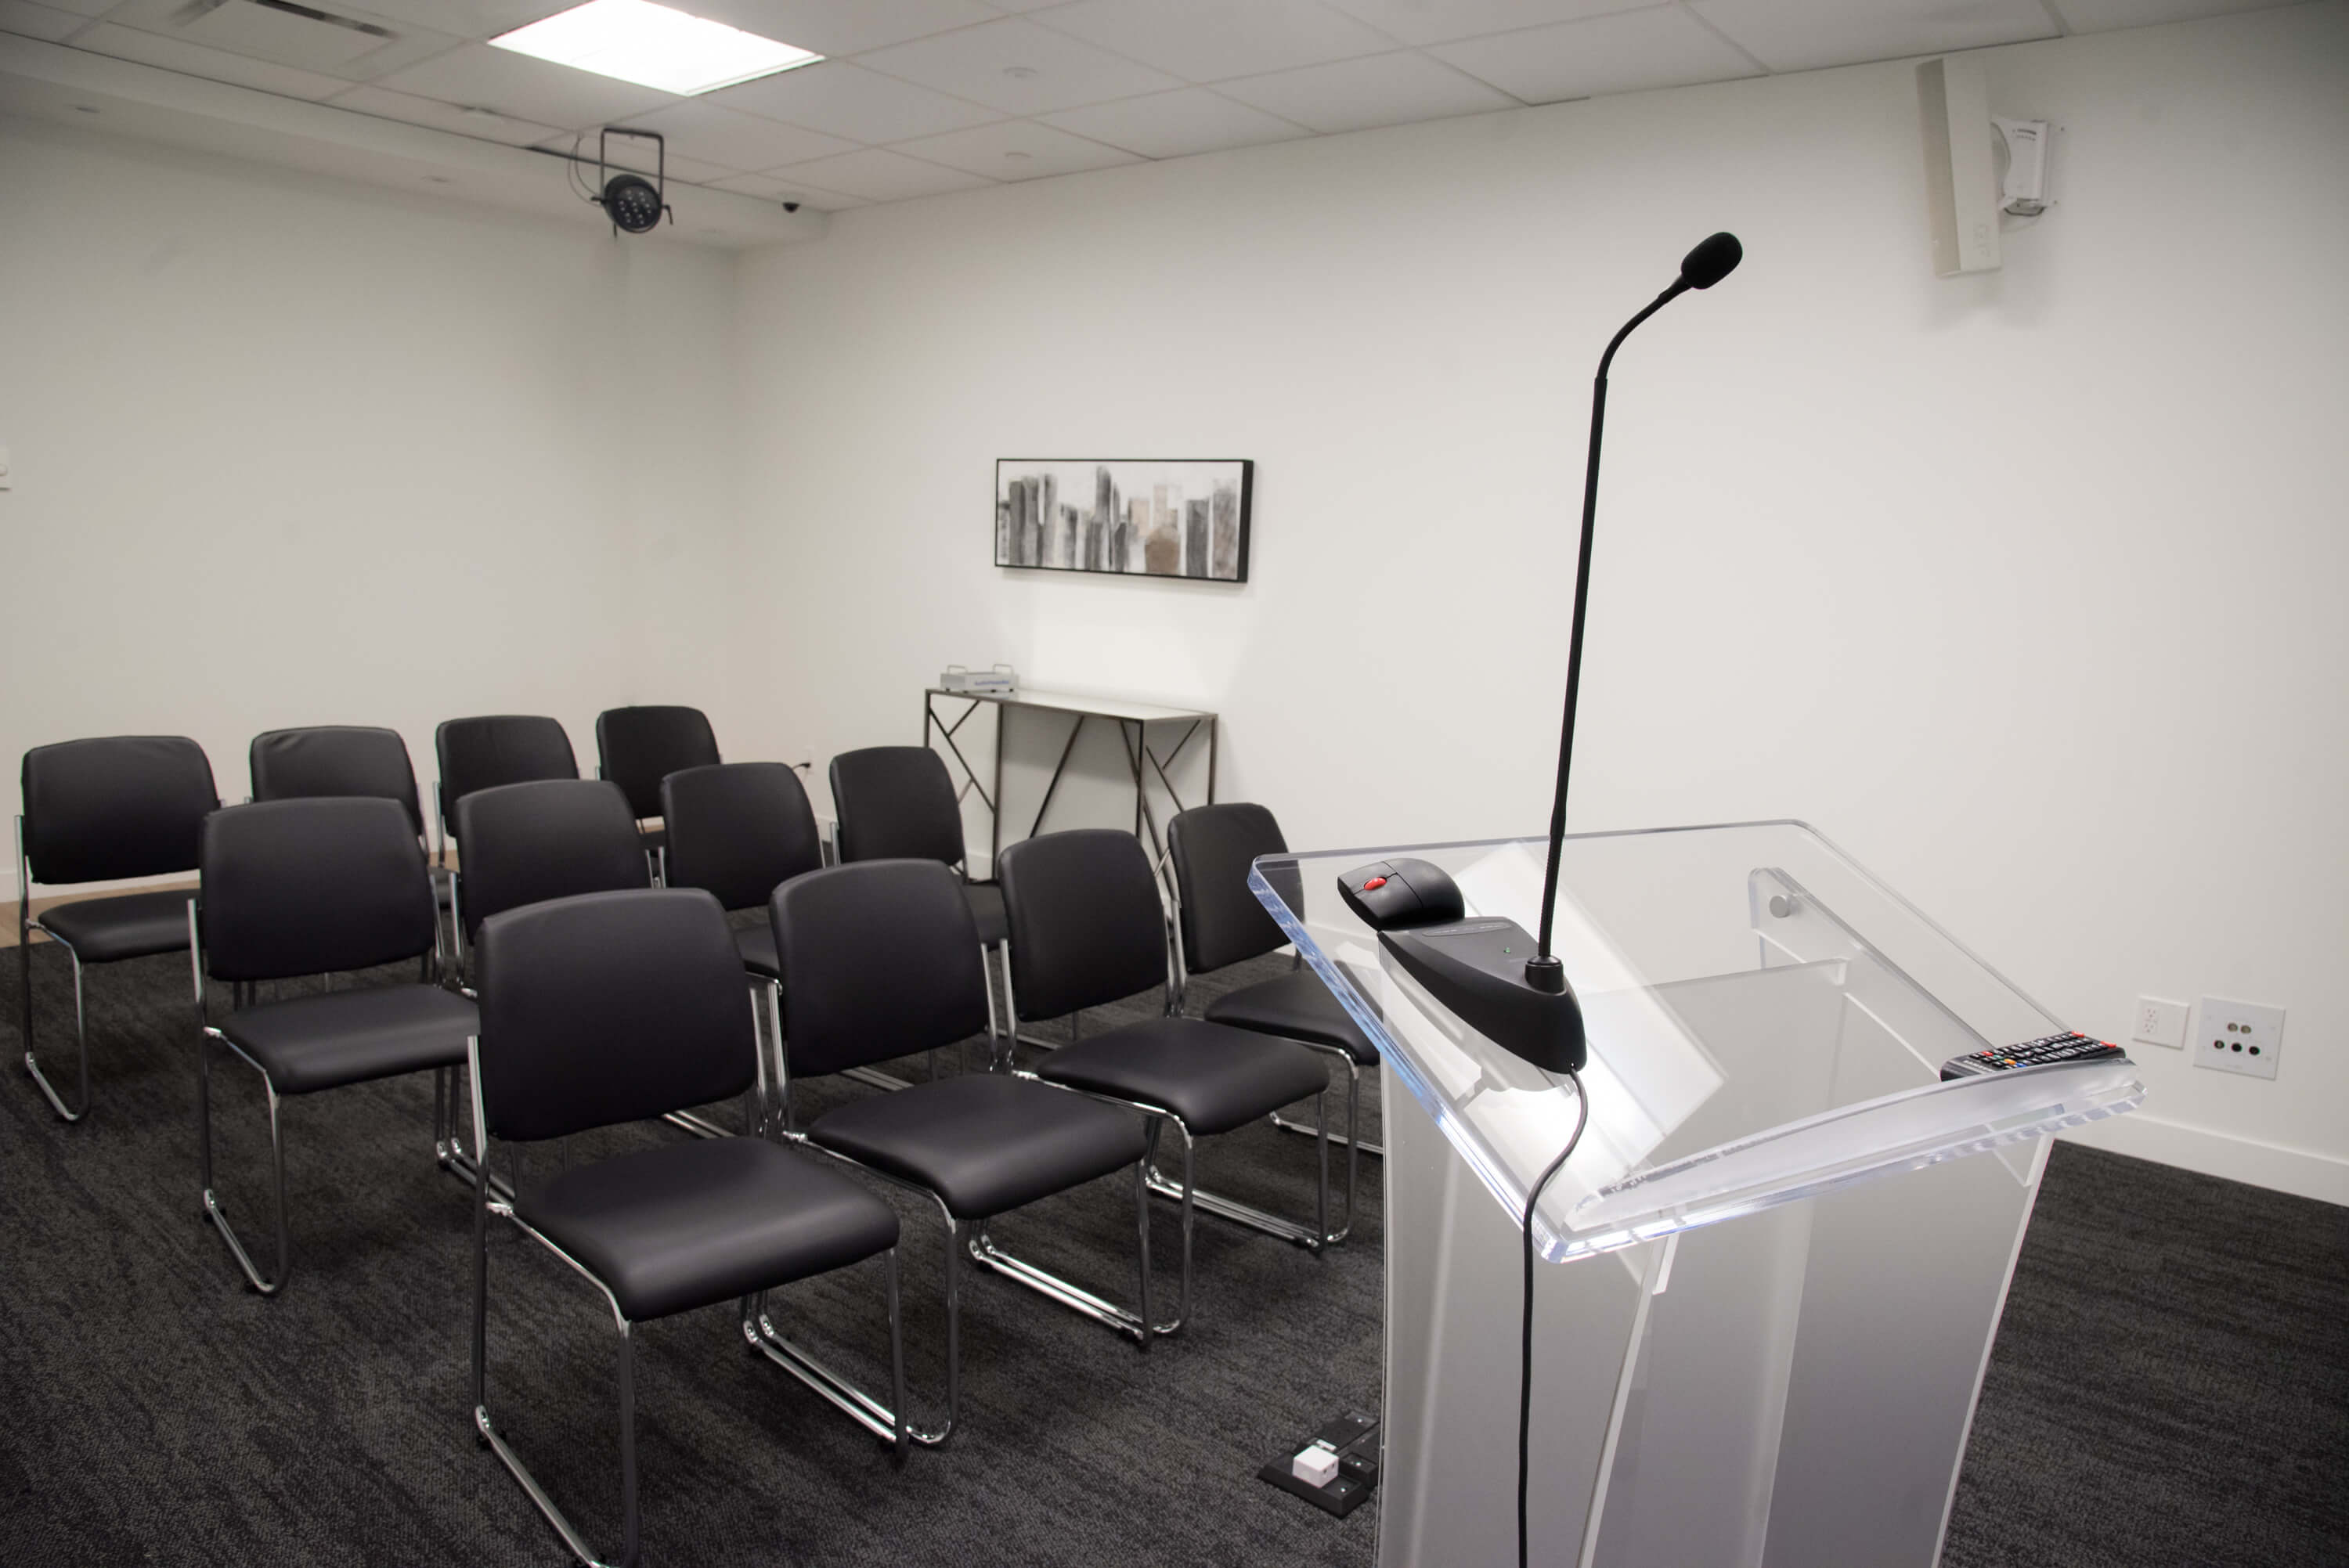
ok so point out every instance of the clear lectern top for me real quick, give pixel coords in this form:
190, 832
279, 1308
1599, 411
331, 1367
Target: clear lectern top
1766, 1021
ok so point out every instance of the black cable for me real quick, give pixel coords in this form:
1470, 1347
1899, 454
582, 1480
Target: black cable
1525, 1340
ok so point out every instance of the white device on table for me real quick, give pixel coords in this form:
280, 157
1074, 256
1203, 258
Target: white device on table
999, 678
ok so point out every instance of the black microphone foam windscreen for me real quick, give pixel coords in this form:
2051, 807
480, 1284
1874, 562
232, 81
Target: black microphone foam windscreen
1713, 259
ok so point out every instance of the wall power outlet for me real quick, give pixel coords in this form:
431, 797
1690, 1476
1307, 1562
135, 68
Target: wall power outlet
2159, 1022
2237, 1037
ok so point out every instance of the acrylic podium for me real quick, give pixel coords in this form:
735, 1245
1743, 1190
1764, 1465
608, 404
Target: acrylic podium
1773, 1268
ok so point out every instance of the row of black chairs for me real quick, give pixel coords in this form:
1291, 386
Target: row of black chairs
861, 963
127, 807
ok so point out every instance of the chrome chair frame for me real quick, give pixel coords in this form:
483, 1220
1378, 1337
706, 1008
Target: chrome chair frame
25, 926
1187, 1193
866, 1411
447, 1153
963, 1236
1178, 993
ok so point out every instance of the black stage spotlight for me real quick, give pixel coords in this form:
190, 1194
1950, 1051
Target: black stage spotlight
633, 202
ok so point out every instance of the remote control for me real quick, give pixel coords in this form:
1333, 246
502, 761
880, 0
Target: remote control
2046, 1051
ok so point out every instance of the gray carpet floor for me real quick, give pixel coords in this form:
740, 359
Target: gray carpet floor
2171, 1385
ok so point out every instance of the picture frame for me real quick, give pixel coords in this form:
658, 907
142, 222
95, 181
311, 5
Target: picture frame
1185, 518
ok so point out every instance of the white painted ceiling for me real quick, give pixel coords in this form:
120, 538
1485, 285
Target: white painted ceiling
919, 97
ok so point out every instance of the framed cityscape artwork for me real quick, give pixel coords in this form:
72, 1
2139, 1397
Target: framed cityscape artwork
1139, 517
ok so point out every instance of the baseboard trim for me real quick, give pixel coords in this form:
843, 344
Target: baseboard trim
2299, 1171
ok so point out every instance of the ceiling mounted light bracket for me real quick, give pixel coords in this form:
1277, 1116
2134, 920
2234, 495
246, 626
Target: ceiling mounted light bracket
634, 203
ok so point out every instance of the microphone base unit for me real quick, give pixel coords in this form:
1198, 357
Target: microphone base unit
1476, 969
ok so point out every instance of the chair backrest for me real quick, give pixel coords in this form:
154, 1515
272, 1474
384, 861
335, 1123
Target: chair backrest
897, 803
1219, 920
499, 748
879, 959
334, 759
311, 885
738, 830
123, 806
610, 1007
1086, 925
642, 746
553, 838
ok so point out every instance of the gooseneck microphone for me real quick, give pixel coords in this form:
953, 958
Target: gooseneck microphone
1713, 259
1479, 969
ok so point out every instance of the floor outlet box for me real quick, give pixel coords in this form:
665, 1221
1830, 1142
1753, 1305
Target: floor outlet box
2159, 1022
2237, 1037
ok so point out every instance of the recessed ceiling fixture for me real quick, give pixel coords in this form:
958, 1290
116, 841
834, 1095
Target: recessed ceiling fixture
653, 45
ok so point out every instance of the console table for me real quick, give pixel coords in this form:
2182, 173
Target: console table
1137, 724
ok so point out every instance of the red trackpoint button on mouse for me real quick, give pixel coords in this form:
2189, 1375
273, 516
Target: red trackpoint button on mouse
1374, 884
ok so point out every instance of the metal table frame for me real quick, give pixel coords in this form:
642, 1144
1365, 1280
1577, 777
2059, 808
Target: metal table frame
1133, 720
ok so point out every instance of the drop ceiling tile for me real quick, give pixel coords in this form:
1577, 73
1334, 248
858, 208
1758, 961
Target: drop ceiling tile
1804, 35
741, 142
1626, 53
2103, 16
214, 64
1018, 67
87, 8
837, 27
1176, 124
28, 20
1423, 22
462, 18
631, 152
385, 104
288, 37
878, 174
849, 101
1016, 149
1378, 89
521, 88
1208, 40
767, 188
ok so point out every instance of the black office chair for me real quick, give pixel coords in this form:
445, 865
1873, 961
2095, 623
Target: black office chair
880, 960
640, 747
553, 838
333, 760
1218, 922
527, 843
611, 1007
96, 811
1087, 928
499, 748
897, 803
302, 887
737, 831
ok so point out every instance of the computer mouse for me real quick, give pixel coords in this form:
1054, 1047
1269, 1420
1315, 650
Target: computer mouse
1391, 895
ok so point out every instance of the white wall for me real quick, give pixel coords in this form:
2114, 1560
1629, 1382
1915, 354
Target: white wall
292, 452
2019, 586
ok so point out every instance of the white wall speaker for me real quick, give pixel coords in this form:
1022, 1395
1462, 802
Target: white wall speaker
1962, 193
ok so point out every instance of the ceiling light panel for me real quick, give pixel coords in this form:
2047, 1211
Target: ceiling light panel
652, 46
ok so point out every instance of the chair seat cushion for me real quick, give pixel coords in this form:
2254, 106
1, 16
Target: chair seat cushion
983, 1143
757, 945
683, 1226
986, 900
352, 1037
101, 930
1212, 1077
1297, 1006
